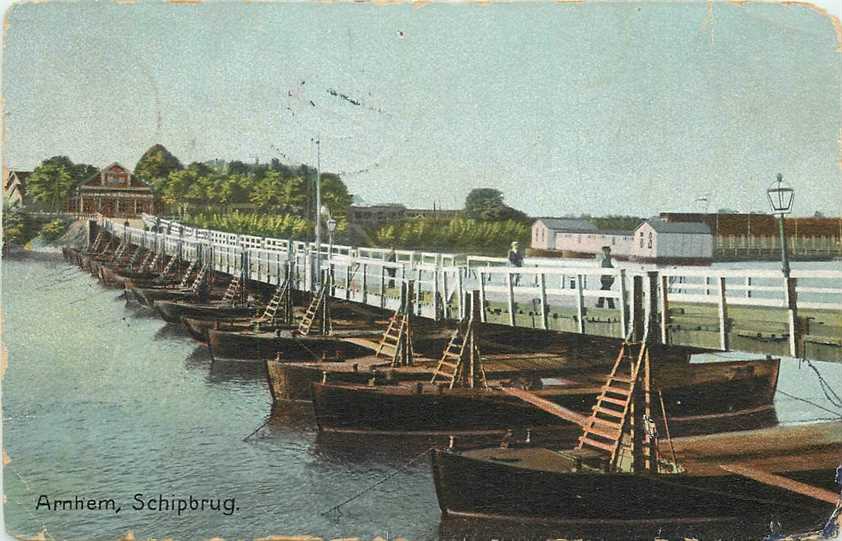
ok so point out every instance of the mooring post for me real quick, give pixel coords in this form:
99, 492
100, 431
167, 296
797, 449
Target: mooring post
623, 305
637, 310
651, 305
723, 314
580, 304
664, 308
542, 284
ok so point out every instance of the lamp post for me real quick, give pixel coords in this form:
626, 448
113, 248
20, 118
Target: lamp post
780, 199
331, 229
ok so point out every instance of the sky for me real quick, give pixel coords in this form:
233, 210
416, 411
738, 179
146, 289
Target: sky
599, 108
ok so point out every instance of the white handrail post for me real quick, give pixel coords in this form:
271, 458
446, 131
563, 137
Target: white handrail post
580, 304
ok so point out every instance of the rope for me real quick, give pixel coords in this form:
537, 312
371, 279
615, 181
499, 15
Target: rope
369, 488
256, 430
837, 415
828, 391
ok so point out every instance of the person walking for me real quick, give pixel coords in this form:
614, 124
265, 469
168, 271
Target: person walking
515, 260
606, 279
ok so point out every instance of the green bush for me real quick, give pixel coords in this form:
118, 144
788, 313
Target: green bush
457, 235
53, 230
285, 226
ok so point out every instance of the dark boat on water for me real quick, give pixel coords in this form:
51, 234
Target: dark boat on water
172, 311
731, 395
119, 277
743, 478
623, 471
198, 328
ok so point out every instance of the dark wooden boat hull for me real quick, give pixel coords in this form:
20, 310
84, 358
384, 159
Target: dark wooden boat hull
173, 311
198, 328
251, 346
119, 278
148, 295
729, 394
475, 488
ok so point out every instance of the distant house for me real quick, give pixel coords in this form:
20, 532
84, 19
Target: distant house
658, 241
14, 189
376, 215
113, 191
545, 230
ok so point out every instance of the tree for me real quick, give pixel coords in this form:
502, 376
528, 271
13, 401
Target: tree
335, 195
156, 164
487, 204
50, 184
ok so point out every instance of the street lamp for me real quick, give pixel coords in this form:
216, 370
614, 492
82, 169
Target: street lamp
780, 199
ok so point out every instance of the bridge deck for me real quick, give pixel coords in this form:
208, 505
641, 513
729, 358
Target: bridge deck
747, 310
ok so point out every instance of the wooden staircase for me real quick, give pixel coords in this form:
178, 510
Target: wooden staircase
617, 419
186, 279
121, 247
397, 340
197, 282
146, 259
315, 312
151, 265
461, 362
279, 306
233, 290
97, 242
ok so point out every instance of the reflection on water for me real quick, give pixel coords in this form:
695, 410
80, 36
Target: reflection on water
103, 400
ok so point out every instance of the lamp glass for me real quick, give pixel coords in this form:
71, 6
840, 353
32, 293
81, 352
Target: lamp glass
331, 225
781, 197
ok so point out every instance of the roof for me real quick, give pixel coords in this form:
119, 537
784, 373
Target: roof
134, 181
567, 224
688, 228
22, 176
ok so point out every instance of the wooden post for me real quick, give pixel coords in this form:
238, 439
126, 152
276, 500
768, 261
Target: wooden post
651, 305
365, 283
445, 304
511, 298
436, 299
382, 286
624, 324
723, 315
637, 311
459, 289
664, 309
791, 299
348, 280
482, 314
545, 321
580, 304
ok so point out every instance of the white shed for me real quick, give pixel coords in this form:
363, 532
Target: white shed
544, 230
680, 242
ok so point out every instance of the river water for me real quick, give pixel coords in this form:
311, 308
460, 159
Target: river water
102, 400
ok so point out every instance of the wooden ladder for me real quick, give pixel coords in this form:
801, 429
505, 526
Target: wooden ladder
461, 350
198, 280
233, 289
186, 279
150, 265
397, 340
168, 267
121, 247
312, 313
135, 254
100, 236
146, 259
281, 301
612, 415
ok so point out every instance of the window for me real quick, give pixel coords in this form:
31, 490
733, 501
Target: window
650, 241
